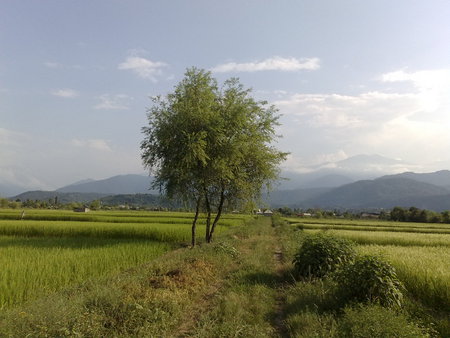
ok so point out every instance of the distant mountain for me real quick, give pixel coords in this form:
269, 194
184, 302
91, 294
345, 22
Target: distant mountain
334, 174
121, 184
379, 193
293, 198
63, 197
440, 178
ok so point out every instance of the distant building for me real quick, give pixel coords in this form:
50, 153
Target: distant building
267, 212
81, 209
305, 214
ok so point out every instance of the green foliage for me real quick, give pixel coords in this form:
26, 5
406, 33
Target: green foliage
375, 321
370, 279
210, 146
321, 254
226, 248
414, 214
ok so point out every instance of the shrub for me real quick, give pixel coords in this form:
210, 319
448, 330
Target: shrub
375, 321
370, 279
321, 254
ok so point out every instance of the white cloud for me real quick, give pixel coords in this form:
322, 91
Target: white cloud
411, 123
142, 67
96, 144
65, 93
432, 87
345, 111
275, 63
113, 102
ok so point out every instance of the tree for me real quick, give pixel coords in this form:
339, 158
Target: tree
210, 146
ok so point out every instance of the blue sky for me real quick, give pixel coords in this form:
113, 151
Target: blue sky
349, 77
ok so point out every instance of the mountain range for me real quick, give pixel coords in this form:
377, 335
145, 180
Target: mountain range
405, 190
360, 182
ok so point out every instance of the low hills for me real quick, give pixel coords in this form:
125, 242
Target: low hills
404, 190
359, 182
121, 184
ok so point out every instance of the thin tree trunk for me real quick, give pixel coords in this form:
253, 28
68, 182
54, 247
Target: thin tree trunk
208, 217
219, 213
194, 222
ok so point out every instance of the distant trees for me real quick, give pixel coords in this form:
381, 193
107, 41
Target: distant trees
210, 146
414, 214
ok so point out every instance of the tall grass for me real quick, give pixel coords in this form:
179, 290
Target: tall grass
153, 231
114, 216
365, 223
391, 238
424, 270
33, 267
374, 228
49, 250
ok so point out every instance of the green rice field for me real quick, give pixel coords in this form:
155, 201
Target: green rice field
48, 250
420, 252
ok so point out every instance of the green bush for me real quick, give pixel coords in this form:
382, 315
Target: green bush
375, 321
321, 254
370, 279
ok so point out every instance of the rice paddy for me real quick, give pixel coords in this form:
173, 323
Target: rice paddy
420, 252
48, 250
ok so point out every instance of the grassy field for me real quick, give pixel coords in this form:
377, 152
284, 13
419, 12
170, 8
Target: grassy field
419, 252
49, 250
241, 285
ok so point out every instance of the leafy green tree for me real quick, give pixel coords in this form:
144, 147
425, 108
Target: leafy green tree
95, 205
210, 146
446, 216
399, 214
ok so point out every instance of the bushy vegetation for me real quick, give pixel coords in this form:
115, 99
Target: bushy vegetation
370, 279
374, 321
321, 254
414, 214
424, 270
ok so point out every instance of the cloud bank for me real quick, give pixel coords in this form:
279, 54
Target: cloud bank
275, 63
143, 68
410, 122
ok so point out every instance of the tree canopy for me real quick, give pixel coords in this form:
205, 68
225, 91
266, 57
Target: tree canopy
211, 146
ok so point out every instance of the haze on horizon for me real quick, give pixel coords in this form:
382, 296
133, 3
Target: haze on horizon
348, 77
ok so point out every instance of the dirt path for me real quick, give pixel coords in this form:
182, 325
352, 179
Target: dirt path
280, 298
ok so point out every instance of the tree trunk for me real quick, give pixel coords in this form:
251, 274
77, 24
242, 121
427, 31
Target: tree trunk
194, 223
219, 213
208, 217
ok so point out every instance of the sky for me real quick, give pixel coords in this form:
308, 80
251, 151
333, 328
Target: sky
349, 77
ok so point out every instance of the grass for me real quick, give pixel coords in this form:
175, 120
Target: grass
423, 230
33, 267
364, 223
46, 252
391, 238
169, 296
152, 231
425, 271
240, 285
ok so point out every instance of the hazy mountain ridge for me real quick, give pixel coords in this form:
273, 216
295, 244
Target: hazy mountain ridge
120, 184
440, 178
339, 186
384, 192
